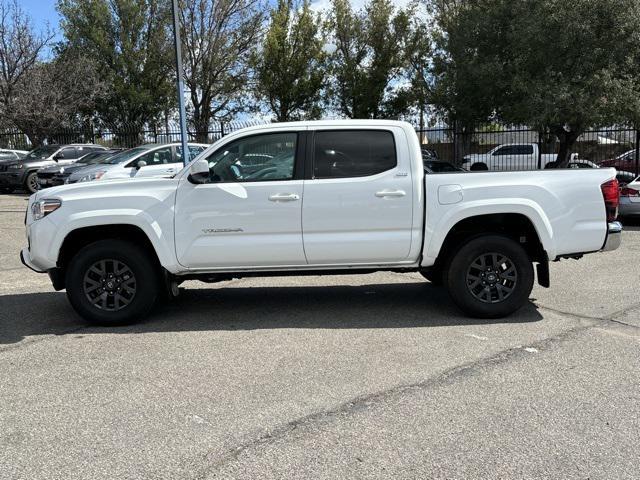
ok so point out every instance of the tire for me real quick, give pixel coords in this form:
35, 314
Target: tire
31, 182
508, 282
433, 275
479, 167
120, 266
550, 165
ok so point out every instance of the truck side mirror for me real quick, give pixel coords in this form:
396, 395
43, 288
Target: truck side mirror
199, 171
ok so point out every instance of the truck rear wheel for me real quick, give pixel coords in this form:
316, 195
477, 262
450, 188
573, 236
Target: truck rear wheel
112, 282
490, 277
479, 167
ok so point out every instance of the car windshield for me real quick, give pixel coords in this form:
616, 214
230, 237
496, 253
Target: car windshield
41, 153
126, 155
440, 167
95, 158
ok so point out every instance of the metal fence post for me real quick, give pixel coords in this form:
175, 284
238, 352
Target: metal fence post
221, 129
539, 150
637, 172
455, 142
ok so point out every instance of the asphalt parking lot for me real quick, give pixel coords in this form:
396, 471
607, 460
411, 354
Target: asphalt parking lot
370, 376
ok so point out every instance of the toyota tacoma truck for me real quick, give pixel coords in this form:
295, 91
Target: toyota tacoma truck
330, 197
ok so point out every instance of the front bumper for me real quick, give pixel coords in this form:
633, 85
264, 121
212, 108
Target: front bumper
25, 258
614, 237
12, 179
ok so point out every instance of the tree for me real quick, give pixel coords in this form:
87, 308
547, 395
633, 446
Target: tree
467, 64
52, 96
419, 59
131, 42
20, 48
290, 68
218, 38
368, 56
562, 67
572, 66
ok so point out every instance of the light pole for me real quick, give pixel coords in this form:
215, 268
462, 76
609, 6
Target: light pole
183, 117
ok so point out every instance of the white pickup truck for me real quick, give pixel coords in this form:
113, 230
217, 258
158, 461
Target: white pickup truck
511, 156
327, 197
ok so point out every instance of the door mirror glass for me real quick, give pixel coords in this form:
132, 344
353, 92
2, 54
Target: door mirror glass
199, 171
141, 164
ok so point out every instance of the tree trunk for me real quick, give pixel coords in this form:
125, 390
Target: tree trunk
463, 135
201, 124
567, 140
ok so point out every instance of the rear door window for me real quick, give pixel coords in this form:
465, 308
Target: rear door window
353, 153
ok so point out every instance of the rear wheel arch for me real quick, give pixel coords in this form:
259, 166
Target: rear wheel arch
515, 226
479, 166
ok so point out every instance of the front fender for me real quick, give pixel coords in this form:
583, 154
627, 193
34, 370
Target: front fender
161, 240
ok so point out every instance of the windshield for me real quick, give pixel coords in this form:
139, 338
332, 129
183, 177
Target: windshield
126, 155
95, 158
42, 152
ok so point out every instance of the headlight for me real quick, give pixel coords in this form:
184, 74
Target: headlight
17, 166
42, 208
92, 176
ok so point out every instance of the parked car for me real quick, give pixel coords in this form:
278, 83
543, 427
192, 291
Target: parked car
356, 200
22, 173
630, 199
625, 177
55, 174
511, 156
429, 154
624, 161
151, 160
8, 155
433, 166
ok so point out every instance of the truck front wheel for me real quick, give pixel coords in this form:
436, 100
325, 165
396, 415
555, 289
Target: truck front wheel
490, 277
112, 282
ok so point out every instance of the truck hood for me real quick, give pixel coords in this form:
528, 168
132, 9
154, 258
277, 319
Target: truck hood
106, 189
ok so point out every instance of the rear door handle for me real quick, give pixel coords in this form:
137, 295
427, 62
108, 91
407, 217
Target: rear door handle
390, 193
284, 197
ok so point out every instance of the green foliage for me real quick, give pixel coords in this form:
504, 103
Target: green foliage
560, 66
131, 42
368, 56
218, 37
290, 68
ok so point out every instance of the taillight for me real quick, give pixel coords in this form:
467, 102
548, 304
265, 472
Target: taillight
611, 196
629, 192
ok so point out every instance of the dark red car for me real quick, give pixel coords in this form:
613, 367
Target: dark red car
625, 161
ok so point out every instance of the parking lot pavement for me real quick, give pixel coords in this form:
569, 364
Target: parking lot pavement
334, 377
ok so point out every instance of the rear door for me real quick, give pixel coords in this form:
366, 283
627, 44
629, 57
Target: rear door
358, 198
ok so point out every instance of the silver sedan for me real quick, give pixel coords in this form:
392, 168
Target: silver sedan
630, 199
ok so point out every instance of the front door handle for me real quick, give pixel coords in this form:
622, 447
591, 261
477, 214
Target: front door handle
284, 197
390, 193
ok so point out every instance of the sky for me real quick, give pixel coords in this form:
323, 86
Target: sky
44, 11
41, 12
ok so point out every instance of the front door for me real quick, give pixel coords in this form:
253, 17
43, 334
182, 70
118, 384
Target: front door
358, 205
249, 212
